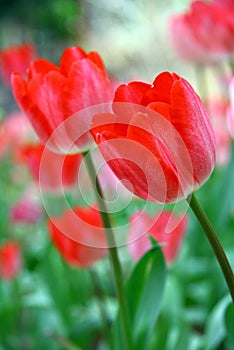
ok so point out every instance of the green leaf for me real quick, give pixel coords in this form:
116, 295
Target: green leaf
229, 322
144, 291
215, 330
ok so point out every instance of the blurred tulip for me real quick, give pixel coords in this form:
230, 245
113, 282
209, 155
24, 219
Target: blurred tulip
164, 150
15, 130
26, 210
218, 110
84, 225
142, 224
16, 59
53, 93
10, 260
52, 171
205, 33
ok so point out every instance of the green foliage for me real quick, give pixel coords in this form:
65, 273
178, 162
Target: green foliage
144, 290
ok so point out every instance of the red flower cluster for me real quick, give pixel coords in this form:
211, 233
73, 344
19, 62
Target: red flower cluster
158, 139
206, 32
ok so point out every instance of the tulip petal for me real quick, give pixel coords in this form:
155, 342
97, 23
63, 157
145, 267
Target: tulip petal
143, 130
41, 66
47, 92
132, 92
160, 91
96, 58
136, 165
86, 86
108, 123
161, 108
192, 122
71, 55
34, 114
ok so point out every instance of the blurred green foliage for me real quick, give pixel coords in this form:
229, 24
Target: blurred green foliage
57, 16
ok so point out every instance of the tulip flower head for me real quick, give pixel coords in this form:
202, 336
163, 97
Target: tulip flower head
51, 94
159, 139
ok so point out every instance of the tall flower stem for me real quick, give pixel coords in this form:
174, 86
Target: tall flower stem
214, 242
113, 253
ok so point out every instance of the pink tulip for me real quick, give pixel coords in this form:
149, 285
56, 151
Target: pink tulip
15, 130
205, 33
217, 110
26, 210
143, 224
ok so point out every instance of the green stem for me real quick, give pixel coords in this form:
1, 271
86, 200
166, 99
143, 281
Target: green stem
113, 254
214, 242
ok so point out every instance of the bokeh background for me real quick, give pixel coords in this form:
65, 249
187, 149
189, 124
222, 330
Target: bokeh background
51, 305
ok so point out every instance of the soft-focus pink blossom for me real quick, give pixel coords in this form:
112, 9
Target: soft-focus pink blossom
142, 224
15, 130
205, 33
26, 210
218, 110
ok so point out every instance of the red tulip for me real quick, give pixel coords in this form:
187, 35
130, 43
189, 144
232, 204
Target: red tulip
16, 59
10, 260
52, 171
79, 236
160, 139
142, 224
53, 93
205, 33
